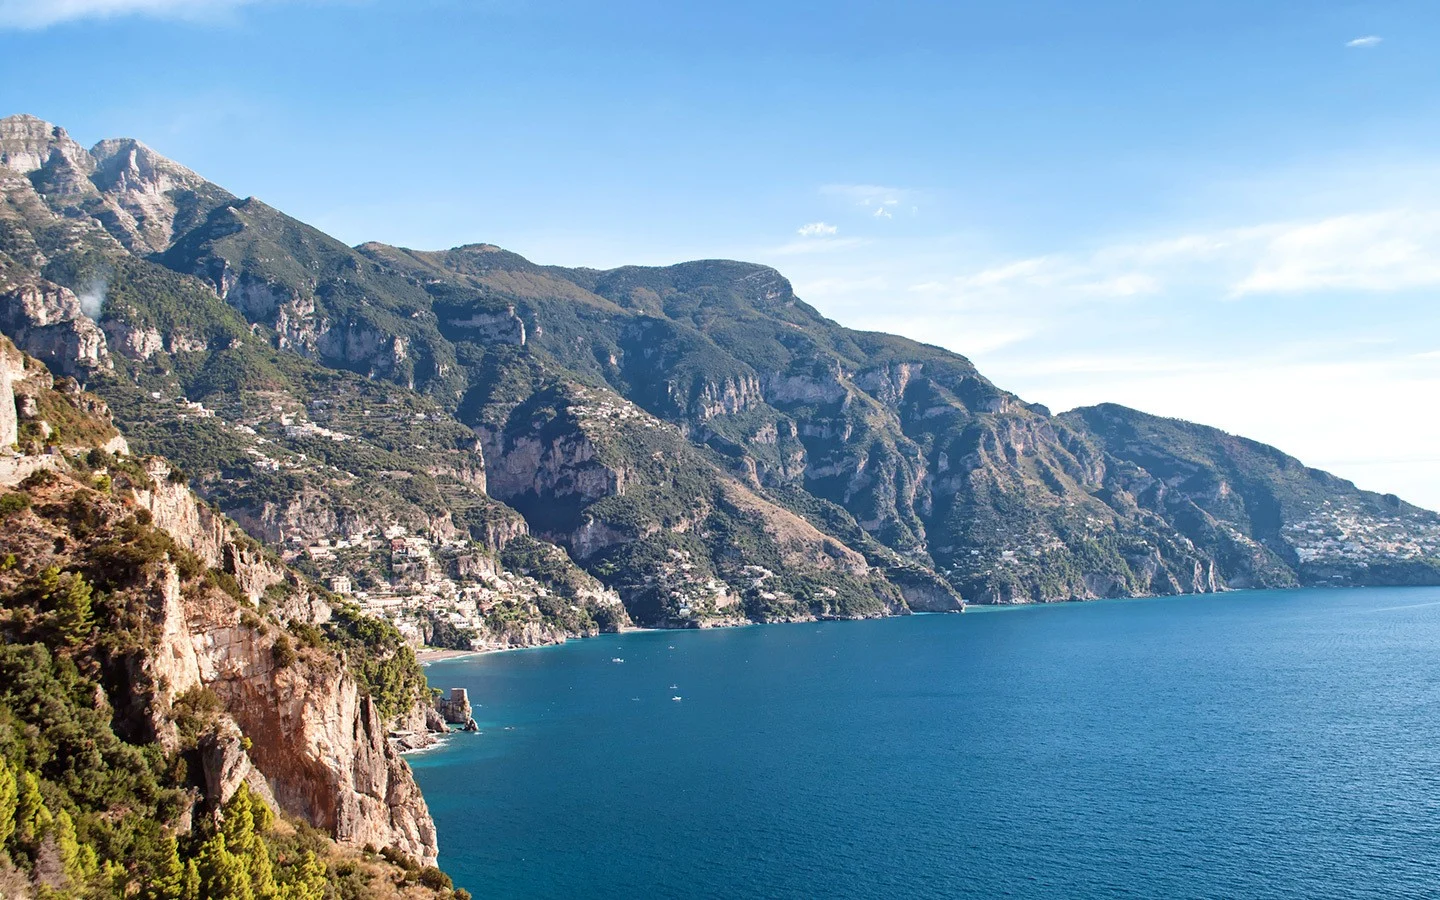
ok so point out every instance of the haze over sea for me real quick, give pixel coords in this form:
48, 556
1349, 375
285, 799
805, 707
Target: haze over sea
1255, 744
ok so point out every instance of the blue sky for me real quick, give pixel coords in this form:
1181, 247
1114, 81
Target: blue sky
1224, 211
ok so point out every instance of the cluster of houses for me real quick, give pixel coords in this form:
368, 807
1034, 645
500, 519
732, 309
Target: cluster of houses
1343, 533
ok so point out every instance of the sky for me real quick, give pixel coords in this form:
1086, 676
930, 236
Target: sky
1222, 211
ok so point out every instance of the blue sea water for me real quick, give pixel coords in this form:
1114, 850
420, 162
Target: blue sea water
1256, 744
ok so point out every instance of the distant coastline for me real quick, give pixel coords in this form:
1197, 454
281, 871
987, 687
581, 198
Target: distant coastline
427, 655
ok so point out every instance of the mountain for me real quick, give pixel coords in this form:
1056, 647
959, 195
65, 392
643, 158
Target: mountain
168, 687
514, 453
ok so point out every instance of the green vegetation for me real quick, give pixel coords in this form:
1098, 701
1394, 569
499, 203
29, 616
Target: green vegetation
379, 659
440, 632
92, 804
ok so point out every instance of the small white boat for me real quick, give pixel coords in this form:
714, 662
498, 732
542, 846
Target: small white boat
677, 699
674, 687
617, 659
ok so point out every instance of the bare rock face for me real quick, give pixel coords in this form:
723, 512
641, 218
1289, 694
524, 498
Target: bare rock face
226, 765
136, 195
47, 322
503, 327
141, 184
455, 709
28, 144
12, 369
316, 741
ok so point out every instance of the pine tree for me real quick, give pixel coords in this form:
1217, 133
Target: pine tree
307, 882
77, 859
9, 800
168, 880
32, 819
243, 838
72, 601
222, 874
190, 886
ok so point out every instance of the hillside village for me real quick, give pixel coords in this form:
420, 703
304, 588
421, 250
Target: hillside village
1342, 533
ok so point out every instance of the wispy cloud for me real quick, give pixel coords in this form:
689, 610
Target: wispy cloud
1375, 252
1369, 40
816, 229
32, 14
882, 213
1383, 251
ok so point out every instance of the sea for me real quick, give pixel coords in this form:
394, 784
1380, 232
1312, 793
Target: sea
1247, 745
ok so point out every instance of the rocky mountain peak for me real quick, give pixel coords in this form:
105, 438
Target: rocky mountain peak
125, 164
29, 143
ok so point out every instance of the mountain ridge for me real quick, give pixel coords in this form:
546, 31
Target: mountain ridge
658, 424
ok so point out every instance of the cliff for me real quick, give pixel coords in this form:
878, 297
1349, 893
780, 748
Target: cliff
200, 642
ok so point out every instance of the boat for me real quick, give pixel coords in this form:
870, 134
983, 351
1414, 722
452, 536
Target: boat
676, 698
617, 659
674, 687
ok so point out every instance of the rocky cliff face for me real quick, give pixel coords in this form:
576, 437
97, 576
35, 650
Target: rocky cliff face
319, 745
209, 614
12, 369
48, 321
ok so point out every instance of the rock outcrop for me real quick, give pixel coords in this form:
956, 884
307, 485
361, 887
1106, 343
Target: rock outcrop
47, 321
12, 369
210, 616
454, 709
317, 741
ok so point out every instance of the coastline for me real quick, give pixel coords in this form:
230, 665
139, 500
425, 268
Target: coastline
427, 655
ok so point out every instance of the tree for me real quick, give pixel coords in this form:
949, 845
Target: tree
9, 800
168, 882
246, 819
32, 819
307, 882
76, 859
190, 886
71, 602
223, 875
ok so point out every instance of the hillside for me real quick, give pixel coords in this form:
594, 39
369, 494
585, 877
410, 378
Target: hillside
694, 441
181, 716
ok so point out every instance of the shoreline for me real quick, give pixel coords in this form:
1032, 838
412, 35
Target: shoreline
430, 655
427, 655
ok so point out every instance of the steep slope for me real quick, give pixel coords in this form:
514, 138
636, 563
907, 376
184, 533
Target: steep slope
672, 428
1228, 493
212, 667
305, 456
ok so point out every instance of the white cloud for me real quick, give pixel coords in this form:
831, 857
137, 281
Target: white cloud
44, 13
881, 213
816, 229
1375, 252
1383, 251
1369, 40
